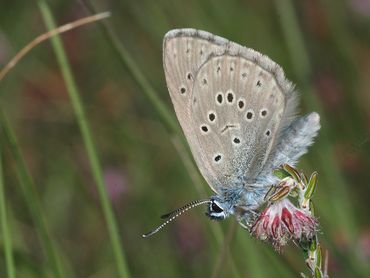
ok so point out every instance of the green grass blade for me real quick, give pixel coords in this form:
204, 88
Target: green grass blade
88, 141
31, 197
9, 260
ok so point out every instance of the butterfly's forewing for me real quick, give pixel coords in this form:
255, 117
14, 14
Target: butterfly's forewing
231, 101
183, 54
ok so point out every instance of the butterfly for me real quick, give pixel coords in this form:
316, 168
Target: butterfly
238, 113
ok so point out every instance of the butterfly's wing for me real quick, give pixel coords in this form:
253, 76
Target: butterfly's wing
294, 142
232, 103
183, 54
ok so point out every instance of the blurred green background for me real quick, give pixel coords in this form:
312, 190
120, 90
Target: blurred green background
56, 223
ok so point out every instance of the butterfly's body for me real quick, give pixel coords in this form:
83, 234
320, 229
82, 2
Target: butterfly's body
237, 111
242, 202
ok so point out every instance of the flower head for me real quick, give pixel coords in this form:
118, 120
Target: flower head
282, 221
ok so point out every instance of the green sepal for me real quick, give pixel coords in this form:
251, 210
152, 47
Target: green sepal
292, 172
279, 194
281, 173
303, 275
319, 256
304, 178
311, 186
312, 208
318, 273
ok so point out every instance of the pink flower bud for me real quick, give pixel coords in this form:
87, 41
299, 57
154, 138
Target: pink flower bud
282, 221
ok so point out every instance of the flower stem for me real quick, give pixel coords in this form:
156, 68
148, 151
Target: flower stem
311, 247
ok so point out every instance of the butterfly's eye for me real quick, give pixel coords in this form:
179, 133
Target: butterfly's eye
216, 208
215, 211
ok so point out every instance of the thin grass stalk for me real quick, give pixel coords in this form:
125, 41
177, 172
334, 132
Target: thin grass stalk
88, 141
43, 37
5, 227
31, 197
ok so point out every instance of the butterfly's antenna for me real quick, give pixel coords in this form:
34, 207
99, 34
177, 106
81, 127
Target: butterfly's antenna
191, 205
176, 213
